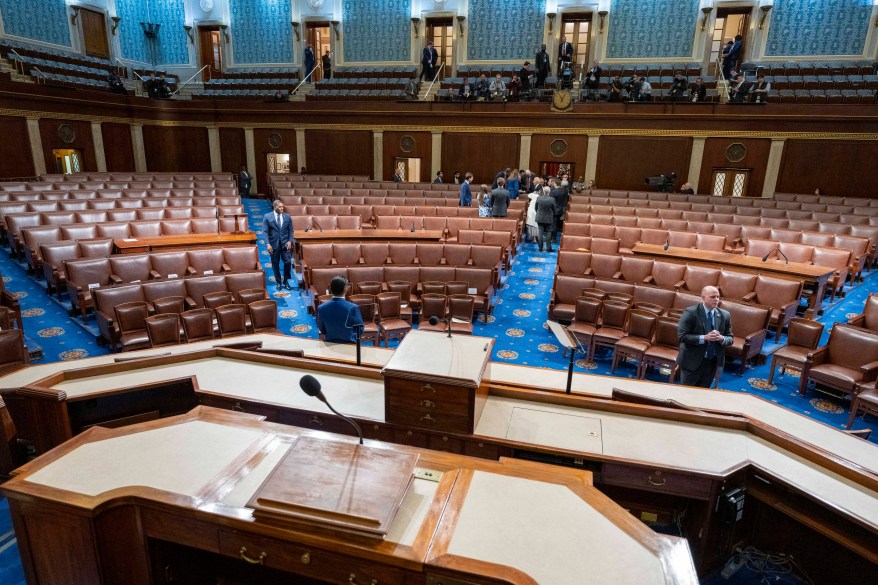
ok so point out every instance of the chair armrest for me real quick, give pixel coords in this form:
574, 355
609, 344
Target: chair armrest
750, 296
115, 279
649, 279
154, 275
190, 302
190, 270
226, 267
818, 356
617, 276
680, 284
870, 371
858, 320
588, 271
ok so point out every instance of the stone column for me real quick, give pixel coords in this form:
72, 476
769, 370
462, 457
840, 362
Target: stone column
436, 156
591, 159
216, 159
137, 145
97, 138
695, 162
772, 169
524, 151
36, 146
377, 155
250, 149
301, 155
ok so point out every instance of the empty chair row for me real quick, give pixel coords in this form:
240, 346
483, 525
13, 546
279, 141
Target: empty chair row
356, 196
53, 186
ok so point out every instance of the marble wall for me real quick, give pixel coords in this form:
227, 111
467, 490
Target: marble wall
801, 28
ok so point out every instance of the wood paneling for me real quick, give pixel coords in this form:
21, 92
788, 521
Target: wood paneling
118, 150
482, 154
541, 151
755, 159
176, 149
339, 152
262, 147
233, 152
15, 156
625, 161
423, 150
839, 167
82, 141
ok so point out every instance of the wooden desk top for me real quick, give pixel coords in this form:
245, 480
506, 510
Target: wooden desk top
428, 355
460, 523
367, 235
794, 269
127, 245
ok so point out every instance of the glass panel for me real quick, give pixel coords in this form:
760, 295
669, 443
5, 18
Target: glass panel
738, 187
719, 183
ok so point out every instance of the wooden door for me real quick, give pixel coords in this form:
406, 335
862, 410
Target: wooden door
730, 182
318, 34
441, 32
577, 28
210, 51
94, 33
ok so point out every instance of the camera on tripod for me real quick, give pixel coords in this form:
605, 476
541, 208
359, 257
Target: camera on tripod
662, 183
566, 77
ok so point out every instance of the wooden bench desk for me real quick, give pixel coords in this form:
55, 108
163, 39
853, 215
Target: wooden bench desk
182, 242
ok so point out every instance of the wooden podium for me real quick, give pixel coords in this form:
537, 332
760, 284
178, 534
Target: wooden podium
434, 381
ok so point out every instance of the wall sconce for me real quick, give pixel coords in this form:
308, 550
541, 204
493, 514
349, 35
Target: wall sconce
415, 21
116, 20
765, 10
603, 15
706, 12
335, 24
223, 28
188, 30
551, 16
75, 14
296, 30
460, 20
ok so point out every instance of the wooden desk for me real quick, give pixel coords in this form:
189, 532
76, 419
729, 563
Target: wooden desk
814, 277
180, 515
183, 242
368, 235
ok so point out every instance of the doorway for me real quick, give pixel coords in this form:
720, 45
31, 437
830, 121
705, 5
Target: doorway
440, 31
729, 23
94, 33
320, 37
577, 28
68, 160
210, 50
730, 182
278, 162
556, 169
409, 169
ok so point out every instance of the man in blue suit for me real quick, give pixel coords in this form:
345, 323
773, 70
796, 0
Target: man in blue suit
466, 196
278, 229
338, 319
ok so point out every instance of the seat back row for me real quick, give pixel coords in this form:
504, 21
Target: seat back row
598, 196
337, 196
314, 184
202, 188
101, 199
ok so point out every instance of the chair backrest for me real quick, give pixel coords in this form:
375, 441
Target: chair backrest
666, 332
588, 310
366, 304
804, 333
456, 287
432, 287
163, 329
433, 305
197, 324
852, 347
369, 287
641, 324
389, 305
131, 316
461, 307
404, 288
614, 314
231, 319
12, 349
165, 305
263, 315
217, 299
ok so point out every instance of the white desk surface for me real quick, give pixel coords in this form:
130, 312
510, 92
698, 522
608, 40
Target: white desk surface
427, 353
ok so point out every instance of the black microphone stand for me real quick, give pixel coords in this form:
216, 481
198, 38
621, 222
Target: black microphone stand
359, 344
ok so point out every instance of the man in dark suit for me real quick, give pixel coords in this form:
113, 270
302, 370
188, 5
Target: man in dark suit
543, 68
524, 75
338, 319
429, 58
592, 81
704, 331
544, 214
560, 195
499, 199
278, 229
466, 196
565, 54
679, 85
438, 180
310, 62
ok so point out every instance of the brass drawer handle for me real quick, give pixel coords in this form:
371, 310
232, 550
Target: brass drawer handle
428, 418
306, 559
657, 484
428, 404
252, 561
315, 420
427, 388
352, 580
238, 407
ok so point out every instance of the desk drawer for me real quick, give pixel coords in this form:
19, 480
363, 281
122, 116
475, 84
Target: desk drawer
434, 419
307, 561
415, 390
656, 480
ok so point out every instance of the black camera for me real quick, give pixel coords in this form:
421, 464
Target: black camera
662, 183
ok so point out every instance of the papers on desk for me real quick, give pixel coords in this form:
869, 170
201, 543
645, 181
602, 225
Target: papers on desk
129, 239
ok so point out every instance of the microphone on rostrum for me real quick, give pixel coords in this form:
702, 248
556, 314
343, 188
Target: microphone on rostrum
435, 321
311, 387
786, 260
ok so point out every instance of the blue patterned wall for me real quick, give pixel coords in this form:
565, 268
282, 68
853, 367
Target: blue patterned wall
652, 29
377, 30
172, 45
41, 20
818, 27
501, 30
261, 31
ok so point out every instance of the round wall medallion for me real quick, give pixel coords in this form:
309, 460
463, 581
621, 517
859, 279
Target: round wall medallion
206, 6
275, 140
407, 144
558, 148
736, 152
315, 4
66, 134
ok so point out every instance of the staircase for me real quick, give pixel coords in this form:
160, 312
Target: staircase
7, 66
428, 94
304, 90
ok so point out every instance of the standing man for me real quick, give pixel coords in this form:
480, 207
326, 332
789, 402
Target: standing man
499, 199
429, 58
466, 196
545, 217
327, 65
541, 62
524, 75
338, 319
278, 229
309, 61
592, 81
244, 182
565, 54
704, 331
560, 195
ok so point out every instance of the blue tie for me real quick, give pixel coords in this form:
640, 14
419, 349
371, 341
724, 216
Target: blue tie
711, 351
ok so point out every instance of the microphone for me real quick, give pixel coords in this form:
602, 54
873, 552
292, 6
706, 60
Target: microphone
667, 243
435, 321
786, 260
307, 228
413, 227
314, 222
311, 387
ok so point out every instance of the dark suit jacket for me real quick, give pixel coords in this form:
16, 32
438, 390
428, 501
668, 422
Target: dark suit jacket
541, 63
337, 319
560, 195
466, 196
693, 324
429, 56
596, 72
544, 209
277, 235
565, 52
524, 75
499, 202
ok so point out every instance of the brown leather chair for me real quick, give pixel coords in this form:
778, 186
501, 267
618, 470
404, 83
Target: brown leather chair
54, 257
586, 318
127, 268
573, 262
614, 322
240, 259
802, 338
636, 270
390, 322
206, 261
366, 304
867, 402
170, 264
197, 287
372, 288
697, 277
263, 316
13, 352
456, 287
175, 304
782, 296
251, 295
231, 320
197, 324
737, 286
605, 266
664, 349
217, 299
460, 313
433, 287
847, 363
433, 305
404, 289
868, 319
749, 328
10, 301
163, 329
833, 258
82, 277
637, 339
668, 274
131, 321
711, 242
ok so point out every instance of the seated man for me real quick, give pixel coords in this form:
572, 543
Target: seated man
466, 90
645, 91
760, 89
483, 87
338, 319
615, 89
592, 81
411, 89
497, 89
514, 87
115, 82
678, 87
634, 87
698, 92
